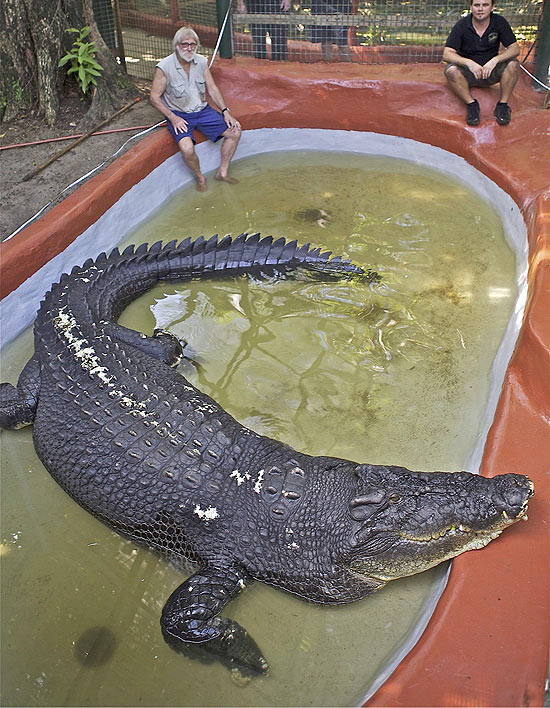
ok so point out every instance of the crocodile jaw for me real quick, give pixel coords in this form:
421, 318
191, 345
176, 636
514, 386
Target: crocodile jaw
410, 555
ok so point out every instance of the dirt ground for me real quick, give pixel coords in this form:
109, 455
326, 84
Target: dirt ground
21, 200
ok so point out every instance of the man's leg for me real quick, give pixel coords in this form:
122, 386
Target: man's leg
278, 34
190, 158
508, 80
231, 139
258, 33
327, 51
345, 52
459, 85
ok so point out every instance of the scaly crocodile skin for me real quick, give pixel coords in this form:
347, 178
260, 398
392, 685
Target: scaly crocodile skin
147, 453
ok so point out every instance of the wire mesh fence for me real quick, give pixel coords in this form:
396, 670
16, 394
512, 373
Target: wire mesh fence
361, 31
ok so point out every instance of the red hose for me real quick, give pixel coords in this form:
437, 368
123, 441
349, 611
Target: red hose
72, 137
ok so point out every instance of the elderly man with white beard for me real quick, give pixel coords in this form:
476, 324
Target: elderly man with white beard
179, 88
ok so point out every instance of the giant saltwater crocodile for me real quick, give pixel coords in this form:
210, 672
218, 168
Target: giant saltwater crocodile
134, 443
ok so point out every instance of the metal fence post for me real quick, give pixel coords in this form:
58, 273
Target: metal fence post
226, 43
542, 56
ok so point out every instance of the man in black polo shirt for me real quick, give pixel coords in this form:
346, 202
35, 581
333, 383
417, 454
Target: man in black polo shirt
472, 53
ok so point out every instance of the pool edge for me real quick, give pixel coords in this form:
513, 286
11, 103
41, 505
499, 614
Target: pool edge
483, 645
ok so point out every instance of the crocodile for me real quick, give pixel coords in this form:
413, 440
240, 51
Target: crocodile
133, 442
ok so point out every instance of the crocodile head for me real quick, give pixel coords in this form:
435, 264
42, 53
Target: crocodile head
405, 522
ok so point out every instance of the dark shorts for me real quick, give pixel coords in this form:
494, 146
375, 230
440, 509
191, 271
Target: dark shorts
494, 78
210, 123
331, 34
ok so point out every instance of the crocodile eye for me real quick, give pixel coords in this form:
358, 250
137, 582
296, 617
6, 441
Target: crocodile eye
394, 497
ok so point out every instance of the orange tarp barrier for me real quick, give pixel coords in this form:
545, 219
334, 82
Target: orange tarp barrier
487, 642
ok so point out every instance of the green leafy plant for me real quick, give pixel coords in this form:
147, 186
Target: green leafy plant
82, 58
18, 92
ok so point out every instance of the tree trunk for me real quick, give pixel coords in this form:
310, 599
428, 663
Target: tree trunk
114, 88
17, 59
32, 40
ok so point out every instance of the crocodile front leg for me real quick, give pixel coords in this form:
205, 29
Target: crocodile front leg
18, 405
191, 617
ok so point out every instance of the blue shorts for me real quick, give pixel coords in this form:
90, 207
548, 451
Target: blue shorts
210, 123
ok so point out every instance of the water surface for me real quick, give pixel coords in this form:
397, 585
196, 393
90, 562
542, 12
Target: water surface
396, 372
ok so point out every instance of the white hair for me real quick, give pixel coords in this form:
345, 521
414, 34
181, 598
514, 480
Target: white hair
185, 32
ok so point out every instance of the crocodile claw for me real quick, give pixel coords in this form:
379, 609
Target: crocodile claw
241, 651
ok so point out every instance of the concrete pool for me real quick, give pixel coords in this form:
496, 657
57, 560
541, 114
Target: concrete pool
509, 448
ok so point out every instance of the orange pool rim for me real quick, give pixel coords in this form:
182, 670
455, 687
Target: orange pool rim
487, 643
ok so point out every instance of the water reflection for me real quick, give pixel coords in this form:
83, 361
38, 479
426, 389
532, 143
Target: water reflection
395, 372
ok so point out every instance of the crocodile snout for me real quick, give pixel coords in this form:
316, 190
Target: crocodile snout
511, 494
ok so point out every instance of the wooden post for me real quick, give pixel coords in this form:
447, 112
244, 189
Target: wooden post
226, 44
120, 43
542, 56
175, 13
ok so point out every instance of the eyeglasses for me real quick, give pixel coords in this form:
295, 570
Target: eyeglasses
191, 45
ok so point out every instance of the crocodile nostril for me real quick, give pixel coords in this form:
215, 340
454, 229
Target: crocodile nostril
515, 497
512, 494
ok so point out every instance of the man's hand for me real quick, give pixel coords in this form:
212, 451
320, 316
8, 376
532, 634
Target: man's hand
180, 125
241, 7
285, 5
476, 69
231, 122
488, 67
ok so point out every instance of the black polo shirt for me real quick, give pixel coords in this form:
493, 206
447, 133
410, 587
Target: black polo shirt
466, 41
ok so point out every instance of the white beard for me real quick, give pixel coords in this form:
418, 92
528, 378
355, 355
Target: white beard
186, 56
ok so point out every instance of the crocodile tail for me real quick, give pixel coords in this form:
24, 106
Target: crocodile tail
102, 287
243, 253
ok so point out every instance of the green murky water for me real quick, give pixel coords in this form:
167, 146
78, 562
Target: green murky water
395, 372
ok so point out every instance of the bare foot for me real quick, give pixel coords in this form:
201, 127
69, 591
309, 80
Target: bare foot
228, 179
201, 185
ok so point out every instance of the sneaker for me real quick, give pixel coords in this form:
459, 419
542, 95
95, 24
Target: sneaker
472, 116
502, 113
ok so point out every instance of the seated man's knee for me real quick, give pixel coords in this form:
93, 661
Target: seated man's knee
186, 147
512, 68
452, 72
232, 133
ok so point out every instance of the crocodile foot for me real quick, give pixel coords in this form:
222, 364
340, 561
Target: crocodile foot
191, 624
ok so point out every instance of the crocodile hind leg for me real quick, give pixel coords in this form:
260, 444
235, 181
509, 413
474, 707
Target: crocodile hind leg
178, 349
163, 345
18, 405
191, 617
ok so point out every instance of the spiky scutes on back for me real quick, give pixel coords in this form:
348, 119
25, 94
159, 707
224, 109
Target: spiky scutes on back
101, 288
244, 251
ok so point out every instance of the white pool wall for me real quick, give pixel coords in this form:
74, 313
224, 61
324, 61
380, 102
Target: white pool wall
18, 309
